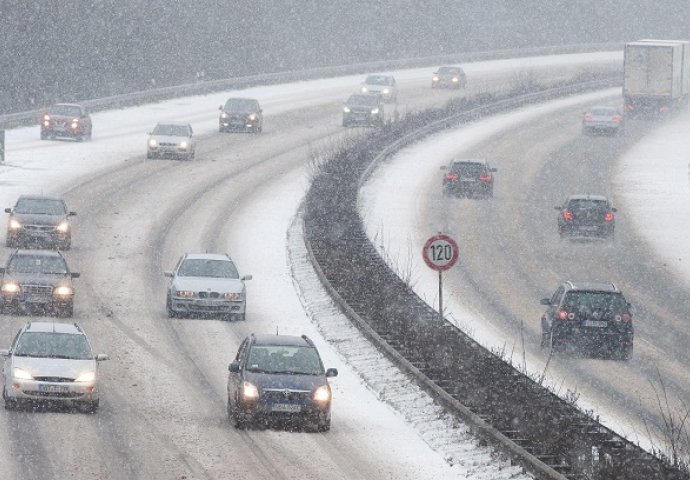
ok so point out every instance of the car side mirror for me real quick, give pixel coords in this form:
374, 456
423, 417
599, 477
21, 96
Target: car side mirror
557, 207
444, 167
613, 209
247, 277
75, 274
2, 269
494, 169
5, 352
8, 210
545, 301
72, 214
101, 356
168, 273
332, 372
220, 107
234, 367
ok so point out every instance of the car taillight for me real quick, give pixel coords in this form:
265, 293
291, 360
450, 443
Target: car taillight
451, 176
626, 317
565, 315
567, 215
588, 117
485, 178
616, 118
608, 217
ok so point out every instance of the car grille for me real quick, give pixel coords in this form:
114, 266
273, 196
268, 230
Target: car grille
286, 396
37, 289
39, 228
54, 379
167, 144
209, 295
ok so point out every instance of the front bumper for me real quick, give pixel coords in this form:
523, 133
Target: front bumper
284, 411
238, 123
29, 302
42, 391
208, 306
361, 118
38, 237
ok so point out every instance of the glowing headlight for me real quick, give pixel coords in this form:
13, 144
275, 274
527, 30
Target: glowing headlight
386, 91
435, 79
21, 374
88, 376
455, 79
184, 293
183, 145
153, 143
249, 391
346, 109
223, 115
364, 90
322, 394
375, 111
252, 116
10, 287
15, 225
46, 123
74, 124
232, 296
46, 118
63, 291
63, 227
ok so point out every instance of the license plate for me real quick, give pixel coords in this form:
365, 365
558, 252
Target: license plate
52, 388
286, 407
36, 298
207, 303
595, 323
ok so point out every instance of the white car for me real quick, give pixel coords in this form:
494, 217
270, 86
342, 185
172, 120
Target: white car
384, 85
206, 284
51, 363
171, 140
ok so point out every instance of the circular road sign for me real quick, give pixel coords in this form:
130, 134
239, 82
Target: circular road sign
440, 252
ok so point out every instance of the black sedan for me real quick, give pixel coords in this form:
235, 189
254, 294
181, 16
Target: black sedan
365, 110
37, 220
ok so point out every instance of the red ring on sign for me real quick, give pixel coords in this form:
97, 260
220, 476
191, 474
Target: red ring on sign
454, 255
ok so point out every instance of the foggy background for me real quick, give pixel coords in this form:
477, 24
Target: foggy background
63, 50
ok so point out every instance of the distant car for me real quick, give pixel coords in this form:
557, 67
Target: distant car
206, 284
449, 77
243, 114
468, 178
68, 120
39, 220
586, 216
592, 316
279, 378
51, 363
363, 109
603, 120
37, 281
384, 85
171, 140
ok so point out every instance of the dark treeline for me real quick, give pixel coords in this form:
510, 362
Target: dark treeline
70, 50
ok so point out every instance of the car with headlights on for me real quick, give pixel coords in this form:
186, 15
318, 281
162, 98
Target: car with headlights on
171, 140
279, 379
66, 120
37, 281
206, 284
449, 77
39, 220
468, 178
51, 363
241, 114
585, 215
363, 109
607, 120
384, 85
589, 316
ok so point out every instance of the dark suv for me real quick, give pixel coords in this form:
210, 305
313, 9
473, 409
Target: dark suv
279, 378
39, 220
594, 316
586, 216
37, 280
363, 109
468, 178
243, 114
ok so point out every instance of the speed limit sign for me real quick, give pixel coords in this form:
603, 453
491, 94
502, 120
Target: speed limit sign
440, 252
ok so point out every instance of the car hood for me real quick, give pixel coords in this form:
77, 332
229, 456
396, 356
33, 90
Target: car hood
52, 279
34, 219
240, 112
197, 284
53, 367
170, 138
376, 88
62, 118
285, 381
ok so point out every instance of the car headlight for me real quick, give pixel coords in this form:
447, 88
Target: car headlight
184, 293
10, 287
87, 376
21, 374
375, 111
63, 291
249, 391
46, 119
63, 227
153, 143
434, 78
364, 89
346, 109
14, 225
223, 115
455, 79
183, 145
322, 394
232, 296
75, 124
386, 91
252, 116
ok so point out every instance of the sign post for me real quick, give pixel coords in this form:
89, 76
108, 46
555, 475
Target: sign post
440, 253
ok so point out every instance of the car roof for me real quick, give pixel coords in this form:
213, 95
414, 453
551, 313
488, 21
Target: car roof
603, 107
282, 340
480, 161
39, 197
54, 327
178, 124
593, 286
38, 253
600, 198
208, 256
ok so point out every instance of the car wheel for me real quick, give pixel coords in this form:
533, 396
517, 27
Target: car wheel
10, 242
545, 340
241, 316
625, 352
10, 403
169, 309
324, 426
89, 407
44, 136
66, 244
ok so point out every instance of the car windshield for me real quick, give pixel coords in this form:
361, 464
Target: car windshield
66, 110
448, 70
595, 301
284, 359
584, 204
363, 100
172, 130
468, 169
53, 345
241, 105
378, 80
199, 267
37, 264
40, 206
604, 111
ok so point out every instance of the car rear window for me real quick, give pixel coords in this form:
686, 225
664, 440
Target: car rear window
596, 205
593, 300
468, 169
602, 112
